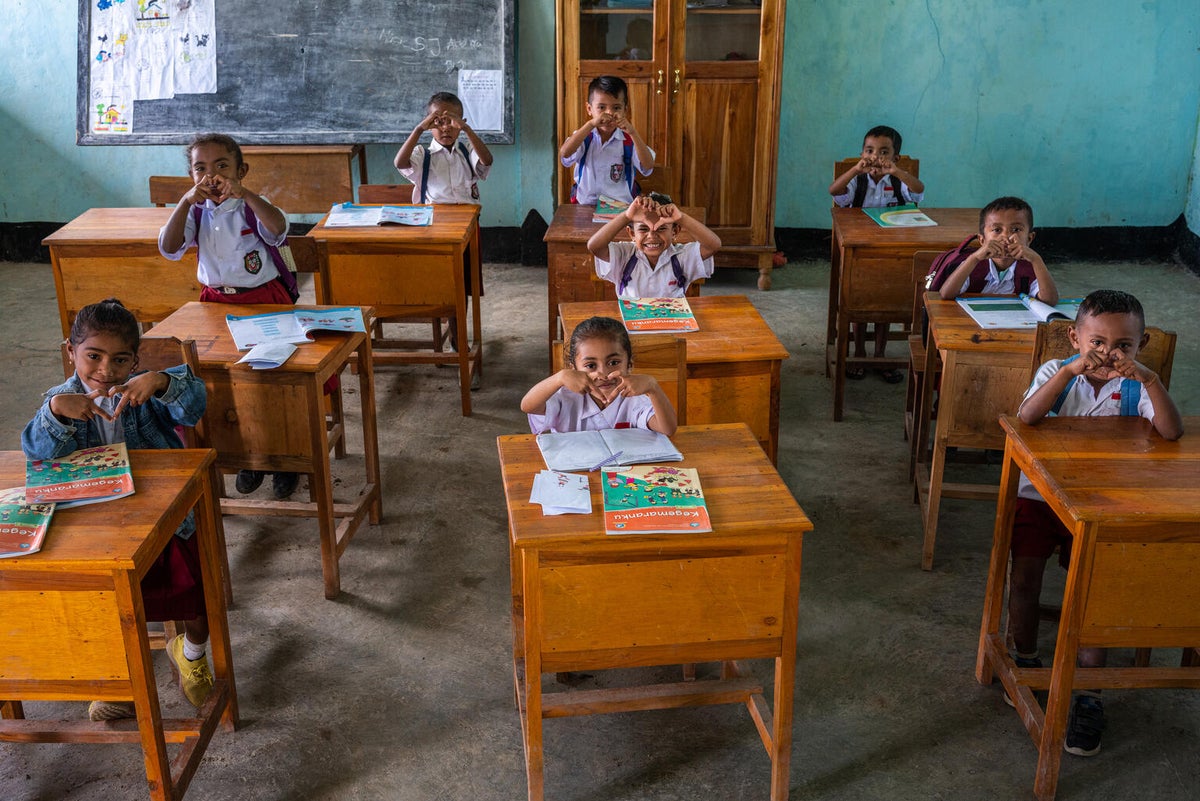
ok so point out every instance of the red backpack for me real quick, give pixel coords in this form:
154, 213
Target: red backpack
946, 263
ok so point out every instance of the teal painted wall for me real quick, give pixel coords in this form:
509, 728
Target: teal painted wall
983, 91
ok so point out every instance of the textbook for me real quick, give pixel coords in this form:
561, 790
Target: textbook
907, 216
294, 326
22, 524
654, 500
607, 208
85, 476
348, 215
1021, 311
591, 450
658, 315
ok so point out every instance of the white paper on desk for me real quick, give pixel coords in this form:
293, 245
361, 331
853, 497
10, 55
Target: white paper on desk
482, 96
561, 493
268, 355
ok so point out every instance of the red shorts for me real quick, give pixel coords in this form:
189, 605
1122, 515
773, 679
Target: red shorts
172, 588
1037, 531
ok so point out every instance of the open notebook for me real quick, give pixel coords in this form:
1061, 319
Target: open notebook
591, 450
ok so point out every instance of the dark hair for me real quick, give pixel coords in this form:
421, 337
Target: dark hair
109, 316
598, 328
446, 98
889, 132
1006, 203
610, 85
224, 140
1111, 301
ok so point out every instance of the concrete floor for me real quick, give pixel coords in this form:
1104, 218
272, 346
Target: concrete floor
402, 688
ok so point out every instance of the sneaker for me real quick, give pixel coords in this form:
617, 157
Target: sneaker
284, 484
248, 481
1027, 662
110, 710
195, 679
1085, 726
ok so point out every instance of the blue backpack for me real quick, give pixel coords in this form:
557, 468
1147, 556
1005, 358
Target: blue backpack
285, 273
461, 148
1131, 394
635, 189
627, 273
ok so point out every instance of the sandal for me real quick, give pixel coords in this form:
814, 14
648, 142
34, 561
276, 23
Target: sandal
856, 373
892, 376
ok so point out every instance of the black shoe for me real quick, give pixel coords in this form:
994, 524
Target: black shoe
283, 485
1085, 726
248, 481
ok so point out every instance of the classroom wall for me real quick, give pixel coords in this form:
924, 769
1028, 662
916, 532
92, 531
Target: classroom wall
1193, 203
977, 87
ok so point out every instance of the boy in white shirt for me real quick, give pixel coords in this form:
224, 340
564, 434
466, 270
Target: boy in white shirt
447, 171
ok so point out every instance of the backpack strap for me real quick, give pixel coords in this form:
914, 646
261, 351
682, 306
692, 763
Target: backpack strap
860, 192
1023, 276
627, 272
587, 143
425, 162
944, 264
627, 160
1131, 394
284, 276
424, 175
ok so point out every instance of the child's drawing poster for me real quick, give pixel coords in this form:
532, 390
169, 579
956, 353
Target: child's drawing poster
153, 64
195, 32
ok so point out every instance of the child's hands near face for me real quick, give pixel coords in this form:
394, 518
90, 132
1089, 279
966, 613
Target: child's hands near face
226, 188
641, 208
669, 212
1020, 250
138, 390
202, 190
74, 406
1126, 367
576, 381
630, 384
429, 121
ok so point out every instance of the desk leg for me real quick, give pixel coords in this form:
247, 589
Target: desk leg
993, 597
12, 710
835, 278
919, 446
785, 679
366, 394
534, 764
839, 367
321, 490
214, 572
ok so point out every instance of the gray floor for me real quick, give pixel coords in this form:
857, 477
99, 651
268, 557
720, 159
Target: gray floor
401, 688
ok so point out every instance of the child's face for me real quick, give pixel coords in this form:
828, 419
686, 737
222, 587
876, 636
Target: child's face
605, 110
1106, 334
445, 123
605, 360
1010, 227
210, 159
879, 150
653, 236
102, 361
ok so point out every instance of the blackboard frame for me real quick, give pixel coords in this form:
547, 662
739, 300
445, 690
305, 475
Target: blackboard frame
403, 120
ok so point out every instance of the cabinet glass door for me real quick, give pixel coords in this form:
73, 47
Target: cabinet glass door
616, 30
723, 30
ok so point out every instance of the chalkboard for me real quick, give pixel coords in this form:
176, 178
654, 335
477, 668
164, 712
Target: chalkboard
308, 71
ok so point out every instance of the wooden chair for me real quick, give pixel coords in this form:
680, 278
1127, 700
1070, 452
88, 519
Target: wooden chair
663, 356
165, 190
916, 428
435, 315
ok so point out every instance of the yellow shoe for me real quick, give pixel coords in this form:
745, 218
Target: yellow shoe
110, 710
195, 679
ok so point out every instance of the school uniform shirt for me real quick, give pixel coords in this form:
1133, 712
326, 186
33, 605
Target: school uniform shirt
657, 281
603, 173
449, 176
879, 195
1000, 282
1081, 401
574, 411
230, 252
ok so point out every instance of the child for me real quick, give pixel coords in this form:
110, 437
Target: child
653, 265
864, 186
237, 236
1003, 263
447, 171
597, 390
604, 163
105, 402
1109, 331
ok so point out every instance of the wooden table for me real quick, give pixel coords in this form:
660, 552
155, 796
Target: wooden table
582, 600
113, 253
75, 629
733, 363
403, 269
870, 280
570, 267
274, 420
1129, 498
985, 373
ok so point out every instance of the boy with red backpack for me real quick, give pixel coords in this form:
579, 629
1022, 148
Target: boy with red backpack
999, 261
606, 150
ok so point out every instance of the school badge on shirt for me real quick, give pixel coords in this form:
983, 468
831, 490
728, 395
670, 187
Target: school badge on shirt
616, 173
253, 262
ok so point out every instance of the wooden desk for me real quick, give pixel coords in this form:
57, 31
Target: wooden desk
106, 253
75, 629
1129, 498
733, 363
870, 279
985, 372
402, 269
274, 420
583, 600
305, 179
570, 268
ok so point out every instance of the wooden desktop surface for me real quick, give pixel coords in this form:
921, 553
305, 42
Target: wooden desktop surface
733, 362
584, 600
451, 225
1129, 498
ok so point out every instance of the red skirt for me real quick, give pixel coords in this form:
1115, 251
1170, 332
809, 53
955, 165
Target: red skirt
172, 589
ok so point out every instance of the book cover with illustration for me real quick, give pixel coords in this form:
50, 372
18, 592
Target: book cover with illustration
22, 524
90, 475
658, 315
607, 208
654, 499
907, 216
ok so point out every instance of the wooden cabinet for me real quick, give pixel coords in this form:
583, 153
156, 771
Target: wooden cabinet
704, 85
